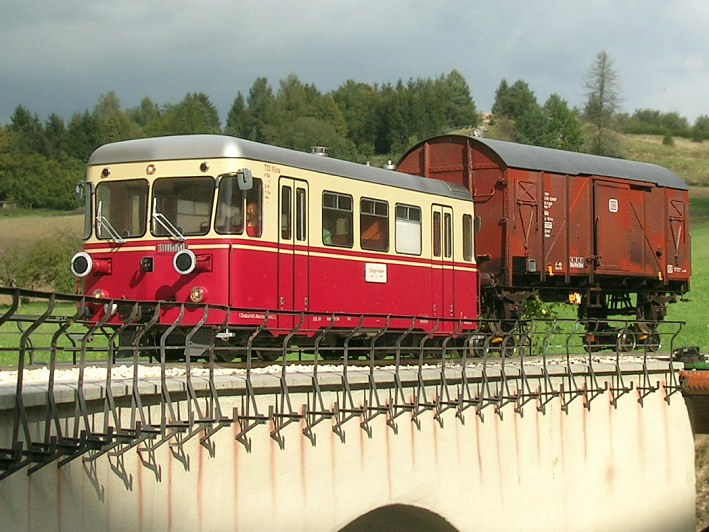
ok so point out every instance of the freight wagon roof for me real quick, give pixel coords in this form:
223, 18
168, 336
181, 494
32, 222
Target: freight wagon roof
183, 147
574, 163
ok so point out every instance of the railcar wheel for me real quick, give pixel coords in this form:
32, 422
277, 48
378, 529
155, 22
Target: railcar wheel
225, 356
626, 340
267, 356
381, 354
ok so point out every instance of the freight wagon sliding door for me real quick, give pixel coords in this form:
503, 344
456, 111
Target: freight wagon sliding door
611, 226
293, 255
442, 294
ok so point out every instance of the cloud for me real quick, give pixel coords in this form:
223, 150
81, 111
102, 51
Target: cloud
60, 57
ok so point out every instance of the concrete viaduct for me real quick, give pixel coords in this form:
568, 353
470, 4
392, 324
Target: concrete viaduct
588, 444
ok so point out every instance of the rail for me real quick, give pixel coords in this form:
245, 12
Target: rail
98, 355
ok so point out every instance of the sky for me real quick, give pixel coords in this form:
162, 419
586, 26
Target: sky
60, 57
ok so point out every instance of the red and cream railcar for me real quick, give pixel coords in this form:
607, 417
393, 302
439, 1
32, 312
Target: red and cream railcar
610, 234
233, 223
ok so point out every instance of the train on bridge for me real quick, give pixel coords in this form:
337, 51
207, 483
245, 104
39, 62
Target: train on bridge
292, 243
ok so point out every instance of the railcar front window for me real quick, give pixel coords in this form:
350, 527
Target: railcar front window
234, 203
88, 209
186, 204
121, 209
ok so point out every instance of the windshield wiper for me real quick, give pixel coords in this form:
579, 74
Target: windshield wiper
103, 223
166, 224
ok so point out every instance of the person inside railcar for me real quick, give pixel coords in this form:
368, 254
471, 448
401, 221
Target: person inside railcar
234, 205
253, 219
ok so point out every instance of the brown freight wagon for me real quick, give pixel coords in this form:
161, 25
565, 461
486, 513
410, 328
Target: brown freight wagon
608, 234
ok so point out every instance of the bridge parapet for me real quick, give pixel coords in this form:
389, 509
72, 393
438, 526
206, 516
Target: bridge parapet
110, 420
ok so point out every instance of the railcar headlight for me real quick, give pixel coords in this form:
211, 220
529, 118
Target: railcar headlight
81, 264
184, 261
198, 294
99, 293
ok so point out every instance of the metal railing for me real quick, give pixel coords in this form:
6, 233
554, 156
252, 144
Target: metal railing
433, 365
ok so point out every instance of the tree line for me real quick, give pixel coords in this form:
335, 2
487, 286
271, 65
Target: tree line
41, 161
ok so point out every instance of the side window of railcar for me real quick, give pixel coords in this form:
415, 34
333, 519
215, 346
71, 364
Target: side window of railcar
234, 206
337, 219
301, 214
436, 234
121, 208
467, 237
408, 230
183, 204
286, 202
447, 235
374, 224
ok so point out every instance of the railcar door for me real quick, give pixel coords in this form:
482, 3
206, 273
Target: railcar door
611, 226
442, 286
293, 252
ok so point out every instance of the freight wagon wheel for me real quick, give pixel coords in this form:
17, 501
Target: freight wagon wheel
508, 346
525, 345
626, 340
478, 347
592, 348
653, 342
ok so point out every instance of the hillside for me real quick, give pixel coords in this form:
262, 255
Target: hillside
688, 159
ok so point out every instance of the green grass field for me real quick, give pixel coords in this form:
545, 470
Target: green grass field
695, 312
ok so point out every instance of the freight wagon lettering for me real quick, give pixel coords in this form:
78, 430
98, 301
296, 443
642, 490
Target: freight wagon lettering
549, 202
576, 262
675, 269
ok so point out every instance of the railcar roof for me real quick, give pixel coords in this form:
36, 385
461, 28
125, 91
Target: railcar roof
183, 147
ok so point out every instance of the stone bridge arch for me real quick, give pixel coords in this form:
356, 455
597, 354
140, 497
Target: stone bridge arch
399, 518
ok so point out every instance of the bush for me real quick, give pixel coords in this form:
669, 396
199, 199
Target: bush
41, 265
668, 140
